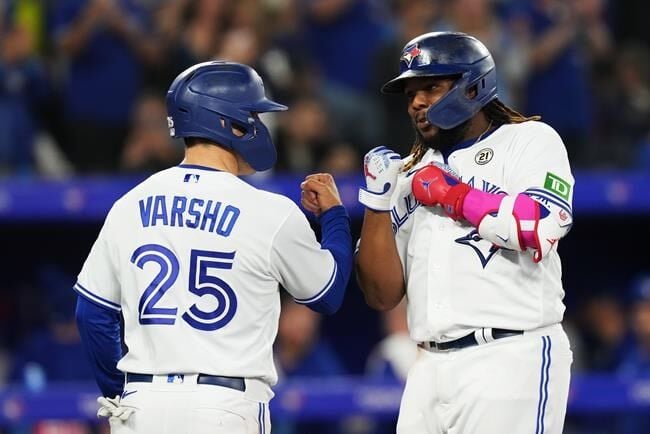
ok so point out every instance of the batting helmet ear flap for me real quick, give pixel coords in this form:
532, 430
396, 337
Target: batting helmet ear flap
459, 104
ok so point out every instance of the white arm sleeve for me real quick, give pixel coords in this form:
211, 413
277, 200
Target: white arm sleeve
299, 263
540, 169
98, 280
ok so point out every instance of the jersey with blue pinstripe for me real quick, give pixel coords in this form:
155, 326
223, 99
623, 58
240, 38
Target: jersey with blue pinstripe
194, 258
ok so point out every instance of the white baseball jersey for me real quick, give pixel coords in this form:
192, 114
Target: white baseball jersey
457, 281
193, 258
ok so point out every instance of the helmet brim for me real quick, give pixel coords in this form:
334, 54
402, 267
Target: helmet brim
265, 105
396, 85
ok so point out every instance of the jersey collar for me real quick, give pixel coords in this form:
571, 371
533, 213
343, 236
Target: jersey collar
198, 167
466, 144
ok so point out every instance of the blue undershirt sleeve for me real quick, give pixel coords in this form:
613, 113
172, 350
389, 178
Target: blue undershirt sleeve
336, 237
99, 328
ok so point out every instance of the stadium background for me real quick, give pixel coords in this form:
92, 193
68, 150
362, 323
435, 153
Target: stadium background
82, 120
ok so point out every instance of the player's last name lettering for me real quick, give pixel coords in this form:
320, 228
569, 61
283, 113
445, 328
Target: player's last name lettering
194, 213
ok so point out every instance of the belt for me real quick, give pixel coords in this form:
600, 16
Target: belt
236, 383
479, 337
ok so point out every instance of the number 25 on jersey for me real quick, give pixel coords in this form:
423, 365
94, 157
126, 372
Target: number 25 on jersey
201, 283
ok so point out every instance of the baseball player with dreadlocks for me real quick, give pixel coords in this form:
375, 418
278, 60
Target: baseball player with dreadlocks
193, 258
467, 227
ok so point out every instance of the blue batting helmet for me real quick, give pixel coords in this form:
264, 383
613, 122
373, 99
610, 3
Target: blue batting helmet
208, 99
449, 54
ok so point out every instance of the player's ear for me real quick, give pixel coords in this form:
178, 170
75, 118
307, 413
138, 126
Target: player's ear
236, 129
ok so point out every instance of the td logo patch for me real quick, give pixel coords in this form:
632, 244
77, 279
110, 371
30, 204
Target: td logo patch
483, 156
557, 185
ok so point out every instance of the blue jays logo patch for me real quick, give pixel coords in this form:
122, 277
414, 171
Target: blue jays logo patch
410, 53
485, 250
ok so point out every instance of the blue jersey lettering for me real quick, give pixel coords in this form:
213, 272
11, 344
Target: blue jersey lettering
145, 212
193, 213
159, 211
178, 208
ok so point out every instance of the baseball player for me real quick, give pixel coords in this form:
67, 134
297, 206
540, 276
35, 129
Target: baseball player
467, 228
192, 258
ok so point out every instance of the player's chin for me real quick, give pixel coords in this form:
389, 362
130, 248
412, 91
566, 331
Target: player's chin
428, 133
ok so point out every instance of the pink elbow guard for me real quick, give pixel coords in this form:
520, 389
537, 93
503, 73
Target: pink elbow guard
525, 211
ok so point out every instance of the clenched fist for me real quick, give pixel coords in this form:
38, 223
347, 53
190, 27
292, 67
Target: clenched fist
437, 184
380, 167
319, 193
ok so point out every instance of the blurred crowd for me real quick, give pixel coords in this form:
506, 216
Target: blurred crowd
82, 91
83, 82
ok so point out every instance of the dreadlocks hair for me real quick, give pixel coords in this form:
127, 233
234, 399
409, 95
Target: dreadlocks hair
501, 114
496, 112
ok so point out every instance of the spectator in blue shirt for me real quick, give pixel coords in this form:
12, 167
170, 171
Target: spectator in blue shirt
106, 44
342, 37
566, 39
22, 89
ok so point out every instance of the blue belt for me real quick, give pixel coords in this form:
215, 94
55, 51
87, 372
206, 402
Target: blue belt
469, 340
236, 383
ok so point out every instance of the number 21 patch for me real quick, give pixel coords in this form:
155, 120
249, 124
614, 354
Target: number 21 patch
557, 185
483, 156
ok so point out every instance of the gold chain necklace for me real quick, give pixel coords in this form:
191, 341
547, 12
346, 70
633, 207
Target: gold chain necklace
478, 139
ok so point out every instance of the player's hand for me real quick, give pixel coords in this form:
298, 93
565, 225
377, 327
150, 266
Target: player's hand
111, 408
437, 184
380, 167
319, 193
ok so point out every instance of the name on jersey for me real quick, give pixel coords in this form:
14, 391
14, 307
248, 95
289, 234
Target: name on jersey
398, 217
485, 186
401, 212
193, 213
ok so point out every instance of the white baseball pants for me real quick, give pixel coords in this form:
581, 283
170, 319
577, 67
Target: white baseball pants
514, 385
162, 407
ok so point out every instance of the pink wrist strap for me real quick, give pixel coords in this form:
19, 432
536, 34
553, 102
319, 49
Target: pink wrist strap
478, 204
